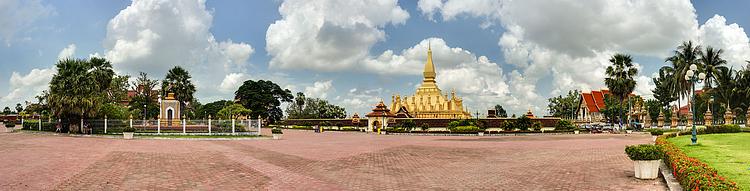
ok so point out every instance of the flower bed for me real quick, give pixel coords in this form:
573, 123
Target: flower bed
690, 172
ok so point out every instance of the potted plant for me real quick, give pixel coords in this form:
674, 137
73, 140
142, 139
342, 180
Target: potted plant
276, 133
656, 133
646, 159
576, 130
127, 132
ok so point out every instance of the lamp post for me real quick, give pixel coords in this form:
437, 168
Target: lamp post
693, 76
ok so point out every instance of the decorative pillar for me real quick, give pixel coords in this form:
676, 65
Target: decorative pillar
158, 125
40, 123
728, 116
747, 122
660, 119
232, 124
690, 119
131, 121
183, 125
674, 119
209, 124
105, 124
708, 117
647, 121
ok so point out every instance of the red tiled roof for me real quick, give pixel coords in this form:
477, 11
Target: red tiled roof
588, 99
599, 99
380, 111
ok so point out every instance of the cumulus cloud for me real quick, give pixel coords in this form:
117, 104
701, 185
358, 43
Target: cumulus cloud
232, 81
729, 37
319, 89
155, 35
25, 87
575, 54
361, 101
328, 35
18, 15
67, 52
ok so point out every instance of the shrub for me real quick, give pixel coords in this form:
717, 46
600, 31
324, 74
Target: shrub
537, 126
564, 125
465, 129
657, 132
408, 124
276, 131
10, 124
396, 130
726, 128
425, 126
325, 124
128, 129
507, 126
307, 123
523, 123
453, 124
690, 172
643, 152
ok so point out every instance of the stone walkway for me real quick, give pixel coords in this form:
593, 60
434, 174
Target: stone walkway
328, 161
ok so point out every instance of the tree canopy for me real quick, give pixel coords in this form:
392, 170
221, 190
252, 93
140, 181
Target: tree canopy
564, 107
263, 98
232, 111
79, 87
314, 108
178, 82
500, 111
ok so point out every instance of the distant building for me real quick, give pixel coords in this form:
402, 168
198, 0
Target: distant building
590, 106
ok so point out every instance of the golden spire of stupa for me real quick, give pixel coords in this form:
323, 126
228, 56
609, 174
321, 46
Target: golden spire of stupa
429, 68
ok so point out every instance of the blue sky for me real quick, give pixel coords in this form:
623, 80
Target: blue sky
355, 53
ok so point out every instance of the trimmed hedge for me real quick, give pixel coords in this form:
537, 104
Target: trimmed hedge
691, 172
656, 132
643, 152
726, 128
465, 129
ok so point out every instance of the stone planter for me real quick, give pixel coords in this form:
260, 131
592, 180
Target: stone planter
576, 132
629, 131
383, 132
646, 169
480, 134
127, 135
277, 136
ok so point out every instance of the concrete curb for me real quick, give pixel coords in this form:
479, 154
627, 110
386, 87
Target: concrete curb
671, 181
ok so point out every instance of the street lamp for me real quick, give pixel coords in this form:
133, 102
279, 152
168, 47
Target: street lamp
693, 76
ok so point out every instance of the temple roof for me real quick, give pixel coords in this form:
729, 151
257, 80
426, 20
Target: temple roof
380, 111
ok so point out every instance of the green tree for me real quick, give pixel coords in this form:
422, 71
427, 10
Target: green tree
118, 89
78, 89
316, 108
263, 98
664, 91
113, 111
500, 111
653, 107
232, 111
19, 108
712, 64
6, 110
620, 76
564, 107
213, 109
612, 109
144, 89
178, 82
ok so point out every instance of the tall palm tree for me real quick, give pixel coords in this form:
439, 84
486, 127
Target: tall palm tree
686, 54
78, 89
620, 77
178, 82
712, 63
726, 81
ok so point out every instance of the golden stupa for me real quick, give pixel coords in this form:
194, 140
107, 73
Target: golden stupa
428, 101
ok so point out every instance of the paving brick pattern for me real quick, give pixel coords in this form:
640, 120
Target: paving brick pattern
329, 161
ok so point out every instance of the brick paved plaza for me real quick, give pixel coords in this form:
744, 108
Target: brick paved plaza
328, 161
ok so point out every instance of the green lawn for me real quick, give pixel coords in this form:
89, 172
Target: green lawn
727, 153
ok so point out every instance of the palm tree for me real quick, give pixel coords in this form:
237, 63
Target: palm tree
178, 82
620, 77
685, 55
726, 81
712, 64
79, 88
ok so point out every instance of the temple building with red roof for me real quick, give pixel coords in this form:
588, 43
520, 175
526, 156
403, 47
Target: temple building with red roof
590, 106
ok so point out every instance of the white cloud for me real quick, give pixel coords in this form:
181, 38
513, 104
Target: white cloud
585, 34
232, 81
154, 35
729, 37
361, 101
67, 52
329, 35
16, 16
25, 87
319, 89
